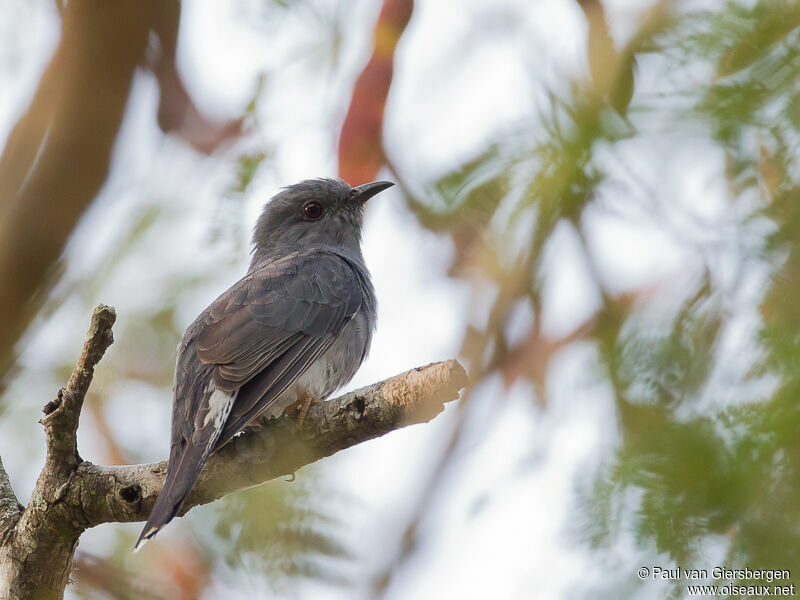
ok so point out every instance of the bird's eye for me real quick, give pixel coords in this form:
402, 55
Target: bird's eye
312, 211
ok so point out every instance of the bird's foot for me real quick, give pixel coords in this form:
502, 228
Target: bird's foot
308, 402
300, 408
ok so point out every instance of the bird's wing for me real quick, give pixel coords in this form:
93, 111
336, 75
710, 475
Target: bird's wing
263, 333
252, 343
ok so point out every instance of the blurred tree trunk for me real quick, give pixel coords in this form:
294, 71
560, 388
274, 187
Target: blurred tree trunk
58, 154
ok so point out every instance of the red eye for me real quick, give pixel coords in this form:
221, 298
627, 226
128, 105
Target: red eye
312, 211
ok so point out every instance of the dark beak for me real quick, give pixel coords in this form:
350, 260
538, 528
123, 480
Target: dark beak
364, 192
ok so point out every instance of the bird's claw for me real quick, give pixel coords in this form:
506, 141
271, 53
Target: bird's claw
300, 409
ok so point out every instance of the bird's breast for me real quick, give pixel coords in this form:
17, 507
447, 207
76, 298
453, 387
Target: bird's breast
340, 362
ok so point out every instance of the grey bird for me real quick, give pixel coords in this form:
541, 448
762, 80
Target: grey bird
295, 328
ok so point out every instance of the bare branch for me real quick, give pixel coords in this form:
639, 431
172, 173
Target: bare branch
62, 414
127, 493
36, 556
71, 495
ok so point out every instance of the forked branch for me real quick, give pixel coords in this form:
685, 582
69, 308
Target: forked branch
71, 495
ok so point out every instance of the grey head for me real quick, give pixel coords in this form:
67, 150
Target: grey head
313, 213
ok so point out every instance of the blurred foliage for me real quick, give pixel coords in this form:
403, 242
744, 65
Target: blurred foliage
277, 529
702, 462
706, 460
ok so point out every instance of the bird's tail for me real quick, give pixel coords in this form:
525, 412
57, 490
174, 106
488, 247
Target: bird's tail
181, 477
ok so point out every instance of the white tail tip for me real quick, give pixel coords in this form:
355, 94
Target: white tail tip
144, 539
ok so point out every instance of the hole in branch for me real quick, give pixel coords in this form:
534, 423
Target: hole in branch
131, 493
359, 405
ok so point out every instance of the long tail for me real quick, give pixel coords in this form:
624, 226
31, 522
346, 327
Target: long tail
181, 477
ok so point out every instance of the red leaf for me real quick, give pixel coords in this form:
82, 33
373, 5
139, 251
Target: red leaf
360, 144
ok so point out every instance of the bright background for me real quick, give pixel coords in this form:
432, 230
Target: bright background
512, 515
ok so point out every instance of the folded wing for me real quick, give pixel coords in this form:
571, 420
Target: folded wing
249, 346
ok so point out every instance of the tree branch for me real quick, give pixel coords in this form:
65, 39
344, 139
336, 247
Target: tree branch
62, 414
281, 447
10, 508
47, 531
72, 495
127, 493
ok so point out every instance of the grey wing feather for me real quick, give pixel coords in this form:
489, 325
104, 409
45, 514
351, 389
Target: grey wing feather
252, 343
272, 325
257, 394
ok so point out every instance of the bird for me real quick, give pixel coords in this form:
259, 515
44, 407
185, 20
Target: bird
294, 329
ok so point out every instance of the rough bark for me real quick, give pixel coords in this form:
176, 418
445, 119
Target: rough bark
71, 495
36, 557
10, 508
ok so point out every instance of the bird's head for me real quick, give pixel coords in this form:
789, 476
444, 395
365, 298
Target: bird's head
316, 212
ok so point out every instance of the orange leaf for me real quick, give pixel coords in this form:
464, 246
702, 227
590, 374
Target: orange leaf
360, 143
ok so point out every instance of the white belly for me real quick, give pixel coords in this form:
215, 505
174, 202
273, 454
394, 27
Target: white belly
330, 371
